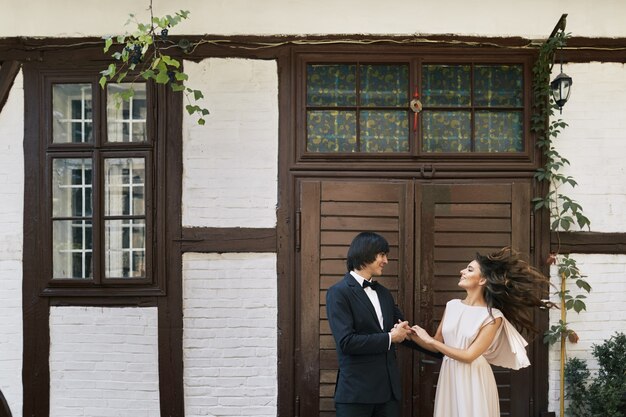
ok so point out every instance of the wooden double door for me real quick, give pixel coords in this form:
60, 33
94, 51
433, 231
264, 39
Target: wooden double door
434, 230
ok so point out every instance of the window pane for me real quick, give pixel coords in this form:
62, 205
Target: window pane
446, 131
72, 113
446, 85
384, 131
126, 119
498, 131
331, 85
498, 85
124, 186
71, 188
125, 248
384, 85
72, 249
331, 131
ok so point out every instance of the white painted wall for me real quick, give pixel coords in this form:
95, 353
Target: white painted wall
533, 19
595, 144
230, 174
230, 334
104, 362
11, 230
605, 314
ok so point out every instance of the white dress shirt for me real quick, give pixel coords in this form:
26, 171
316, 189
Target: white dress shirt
373, 296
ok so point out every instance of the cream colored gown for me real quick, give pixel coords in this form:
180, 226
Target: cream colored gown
469, 389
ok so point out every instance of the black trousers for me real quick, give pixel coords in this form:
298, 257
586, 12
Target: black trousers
388, 409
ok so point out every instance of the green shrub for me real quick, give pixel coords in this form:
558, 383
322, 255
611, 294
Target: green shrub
603, 396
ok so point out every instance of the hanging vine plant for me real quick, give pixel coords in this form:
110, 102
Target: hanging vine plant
565, 213
143, 54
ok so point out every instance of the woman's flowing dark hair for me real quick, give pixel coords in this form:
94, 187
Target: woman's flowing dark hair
513, 287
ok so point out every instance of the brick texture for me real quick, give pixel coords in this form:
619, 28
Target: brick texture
230, 334
104, 362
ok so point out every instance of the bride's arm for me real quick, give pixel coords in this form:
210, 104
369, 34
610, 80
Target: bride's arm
477, 348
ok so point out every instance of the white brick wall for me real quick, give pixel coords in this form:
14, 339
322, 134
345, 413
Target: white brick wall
605, 314
104, 362
595, 142
11, 228
230, 334
230, 171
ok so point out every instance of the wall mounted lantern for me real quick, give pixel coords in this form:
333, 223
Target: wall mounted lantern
561, 87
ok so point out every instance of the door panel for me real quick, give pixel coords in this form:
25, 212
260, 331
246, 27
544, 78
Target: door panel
456, 221
332, 213
433, 231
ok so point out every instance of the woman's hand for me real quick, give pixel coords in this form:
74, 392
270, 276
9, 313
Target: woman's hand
422, 334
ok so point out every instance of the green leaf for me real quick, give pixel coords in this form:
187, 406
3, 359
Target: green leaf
579, 306
103, 81
170, 61
201, 121
181, 76
162, 77
197, 95
107, 44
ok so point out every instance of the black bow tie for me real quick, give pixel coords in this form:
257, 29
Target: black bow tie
372, 284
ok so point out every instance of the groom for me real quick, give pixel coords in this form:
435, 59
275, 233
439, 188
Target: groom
367, 325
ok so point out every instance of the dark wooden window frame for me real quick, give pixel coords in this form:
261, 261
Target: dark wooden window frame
98, 150
507, 161
164, 288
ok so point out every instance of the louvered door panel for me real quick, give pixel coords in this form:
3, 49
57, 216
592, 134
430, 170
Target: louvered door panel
456, 221
333, 213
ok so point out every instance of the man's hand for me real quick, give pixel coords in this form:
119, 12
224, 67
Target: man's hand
400, 332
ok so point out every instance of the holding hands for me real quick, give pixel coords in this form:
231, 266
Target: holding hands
420, 333
401, 331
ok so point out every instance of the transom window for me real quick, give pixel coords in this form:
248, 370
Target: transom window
366, 108
99, 185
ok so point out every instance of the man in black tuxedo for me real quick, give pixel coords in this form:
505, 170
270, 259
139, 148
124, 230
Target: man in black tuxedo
366, 324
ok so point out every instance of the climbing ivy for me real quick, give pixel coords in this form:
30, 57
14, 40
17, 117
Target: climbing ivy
565, 213
142, 54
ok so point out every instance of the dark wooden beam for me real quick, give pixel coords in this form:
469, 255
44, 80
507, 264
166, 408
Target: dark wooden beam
588, 242
8, 72
228, 239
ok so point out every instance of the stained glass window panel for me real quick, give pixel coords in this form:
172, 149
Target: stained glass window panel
331, 85
446, 85
384, 85
446, 131
384, 131
499, 131
331, 131
498, 86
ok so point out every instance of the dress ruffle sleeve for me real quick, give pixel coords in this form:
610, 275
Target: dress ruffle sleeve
508, 348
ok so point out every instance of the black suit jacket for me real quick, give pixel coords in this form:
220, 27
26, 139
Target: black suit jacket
368, 372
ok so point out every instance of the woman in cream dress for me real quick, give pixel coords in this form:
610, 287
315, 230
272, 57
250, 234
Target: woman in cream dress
501, 291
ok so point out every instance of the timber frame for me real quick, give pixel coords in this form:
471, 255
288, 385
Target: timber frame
16, 53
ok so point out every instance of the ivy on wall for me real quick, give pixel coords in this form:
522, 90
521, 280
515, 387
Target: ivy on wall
143, 54
565, 213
